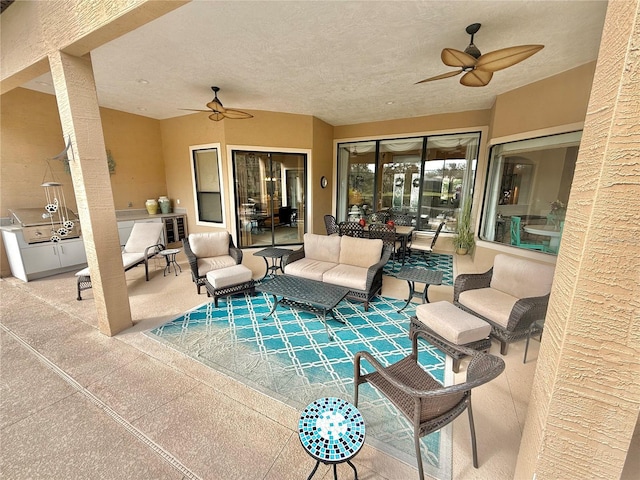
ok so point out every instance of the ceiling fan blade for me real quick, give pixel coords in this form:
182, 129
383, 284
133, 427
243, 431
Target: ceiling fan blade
506, 57
476, 78
194, 110
456, 58
444, 75
216, 106
216, 116
236, 114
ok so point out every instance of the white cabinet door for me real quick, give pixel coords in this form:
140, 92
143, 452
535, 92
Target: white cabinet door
72, 253
40, 258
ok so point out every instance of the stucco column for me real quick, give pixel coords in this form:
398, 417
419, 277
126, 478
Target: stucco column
586, 393
80, 117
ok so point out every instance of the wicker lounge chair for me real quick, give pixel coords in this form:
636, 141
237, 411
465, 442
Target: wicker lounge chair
420, 398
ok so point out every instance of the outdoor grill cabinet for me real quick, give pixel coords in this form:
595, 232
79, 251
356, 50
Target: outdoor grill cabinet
38, 260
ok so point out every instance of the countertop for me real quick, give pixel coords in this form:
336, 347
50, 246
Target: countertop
142, 214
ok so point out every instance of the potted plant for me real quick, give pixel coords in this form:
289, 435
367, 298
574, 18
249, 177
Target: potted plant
463, 239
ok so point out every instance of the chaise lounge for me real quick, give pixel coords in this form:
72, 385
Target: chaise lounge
145, 241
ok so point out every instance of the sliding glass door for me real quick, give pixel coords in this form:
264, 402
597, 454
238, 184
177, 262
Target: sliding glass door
270, 194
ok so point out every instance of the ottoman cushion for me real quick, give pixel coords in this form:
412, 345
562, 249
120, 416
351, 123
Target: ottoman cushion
451, 323
226, 277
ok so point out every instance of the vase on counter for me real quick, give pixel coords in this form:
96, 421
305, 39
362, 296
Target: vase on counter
165, 204
152, 206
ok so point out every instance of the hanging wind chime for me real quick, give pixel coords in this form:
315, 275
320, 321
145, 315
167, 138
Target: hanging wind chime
56, 207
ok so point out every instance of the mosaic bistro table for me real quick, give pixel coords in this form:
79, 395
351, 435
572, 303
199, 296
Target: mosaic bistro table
332, 431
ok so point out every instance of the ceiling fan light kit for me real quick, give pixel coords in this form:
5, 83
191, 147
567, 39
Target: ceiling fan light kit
477, 68
218, 112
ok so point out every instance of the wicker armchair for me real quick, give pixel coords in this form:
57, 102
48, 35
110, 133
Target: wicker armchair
426, 250
420, 398
387, 234
351, 229
210, 251
379, 217
331, 224
484, 295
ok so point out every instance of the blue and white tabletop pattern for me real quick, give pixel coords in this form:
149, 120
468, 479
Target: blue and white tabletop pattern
331, 429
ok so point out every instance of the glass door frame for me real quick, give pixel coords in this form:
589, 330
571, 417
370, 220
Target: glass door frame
233, 200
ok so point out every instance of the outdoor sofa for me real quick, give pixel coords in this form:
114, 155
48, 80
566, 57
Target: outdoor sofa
355, 263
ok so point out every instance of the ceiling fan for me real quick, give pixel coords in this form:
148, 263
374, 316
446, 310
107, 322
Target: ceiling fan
477, 68
218, 112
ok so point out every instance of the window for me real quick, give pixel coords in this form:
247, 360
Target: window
424, 177
528, 186
207, 181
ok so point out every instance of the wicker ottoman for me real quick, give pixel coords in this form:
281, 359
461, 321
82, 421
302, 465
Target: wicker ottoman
229, 281
444, 320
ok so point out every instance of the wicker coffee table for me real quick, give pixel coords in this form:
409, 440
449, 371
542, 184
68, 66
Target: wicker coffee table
420, 275
304, 294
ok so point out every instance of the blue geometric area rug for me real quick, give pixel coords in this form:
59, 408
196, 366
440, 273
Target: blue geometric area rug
288, 356
437, 261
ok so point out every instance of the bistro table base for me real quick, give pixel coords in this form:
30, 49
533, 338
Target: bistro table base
332, 431
421, 275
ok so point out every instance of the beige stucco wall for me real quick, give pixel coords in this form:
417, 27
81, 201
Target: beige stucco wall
31, 133
323, 166
267, 129
555, 101
586, 393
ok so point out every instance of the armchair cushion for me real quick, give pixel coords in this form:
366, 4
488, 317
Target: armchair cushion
207, 264
521, 278
359, 252
489, 303
322, 247
211, 244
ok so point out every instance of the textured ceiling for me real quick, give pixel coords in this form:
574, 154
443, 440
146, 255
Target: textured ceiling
344, 62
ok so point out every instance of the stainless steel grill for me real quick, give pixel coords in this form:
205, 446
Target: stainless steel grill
40, 226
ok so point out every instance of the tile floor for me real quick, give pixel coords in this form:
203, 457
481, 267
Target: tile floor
77, 404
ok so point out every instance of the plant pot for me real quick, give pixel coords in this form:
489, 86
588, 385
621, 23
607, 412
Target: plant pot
462, 250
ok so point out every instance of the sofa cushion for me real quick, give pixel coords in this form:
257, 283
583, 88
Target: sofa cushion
214, 263
521, 278
308, 268
360, 252
210, 244
451, 323
322, 247
348, 276
489, 303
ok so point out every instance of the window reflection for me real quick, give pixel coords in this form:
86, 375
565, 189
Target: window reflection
270, 197
422, 177
529, 183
